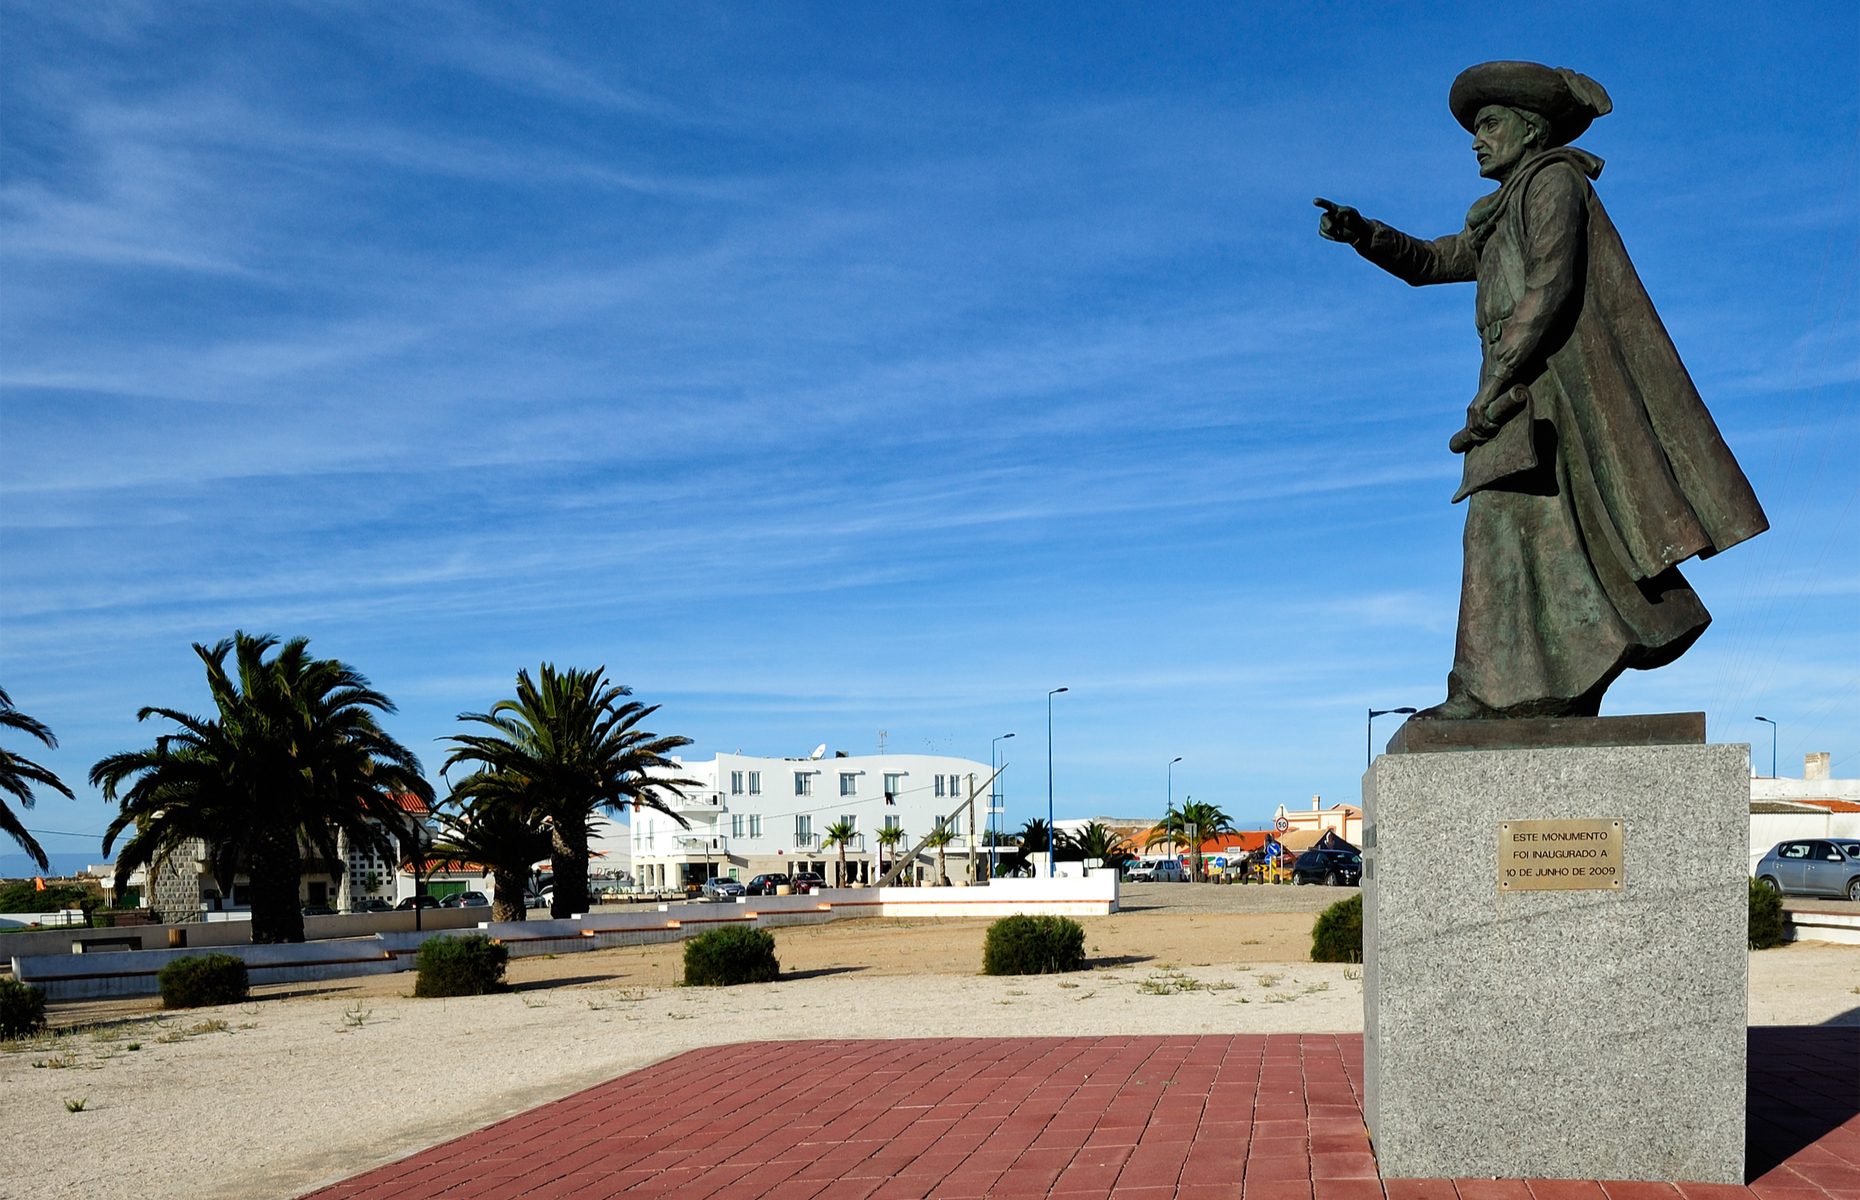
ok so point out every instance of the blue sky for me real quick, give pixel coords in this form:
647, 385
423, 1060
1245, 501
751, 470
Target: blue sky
829, 370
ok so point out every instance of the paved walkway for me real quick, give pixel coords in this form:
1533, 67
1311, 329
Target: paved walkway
1264, 1117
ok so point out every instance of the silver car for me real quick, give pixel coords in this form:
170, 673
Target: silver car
722, 889
1818, 867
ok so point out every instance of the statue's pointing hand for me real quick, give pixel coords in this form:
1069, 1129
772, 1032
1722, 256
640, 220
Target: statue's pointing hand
1341, 223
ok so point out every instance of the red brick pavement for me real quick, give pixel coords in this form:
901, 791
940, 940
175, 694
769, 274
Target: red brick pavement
1247, 1117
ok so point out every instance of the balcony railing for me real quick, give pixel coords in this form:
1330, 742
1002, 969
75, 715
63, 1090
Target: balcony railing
688, 844
807, 841
693, 800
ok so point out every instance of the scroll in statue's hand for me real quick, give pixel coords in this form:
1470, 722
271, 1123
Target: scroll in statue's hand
1485, 418
1341, 223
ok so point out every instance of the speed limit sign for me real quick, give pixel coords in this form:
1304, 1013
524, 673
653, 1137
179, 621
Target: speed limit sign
1281, 824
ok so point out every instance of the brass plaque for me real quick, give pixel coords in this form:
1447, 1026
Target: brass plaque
1537, 856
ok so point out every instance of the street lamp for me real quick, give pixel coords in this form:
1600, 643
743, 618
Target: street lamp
1171, 780
994, 793
1369, 737
1772, 726
1050, 838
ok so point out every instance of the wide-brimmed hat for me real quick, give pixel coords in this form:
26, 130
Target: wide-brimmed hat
1557, 94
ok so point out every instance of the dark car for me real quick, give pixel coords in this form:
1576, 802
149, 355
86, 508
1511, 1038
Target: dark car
722, 889
1819, 867
1332, 868
413, 902
374, 904
765, 885
807, 881
465, 900
318, 910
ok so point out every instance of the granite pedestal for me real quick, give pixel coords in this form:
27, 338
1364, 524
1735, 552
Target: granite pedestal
1559, 1034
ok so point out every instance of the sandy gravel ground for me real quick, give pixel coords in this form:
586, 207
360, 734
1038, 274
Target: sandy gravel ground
310, 1083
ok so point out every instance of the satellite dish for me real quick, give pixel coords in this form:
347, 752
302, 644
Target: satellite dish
819, 751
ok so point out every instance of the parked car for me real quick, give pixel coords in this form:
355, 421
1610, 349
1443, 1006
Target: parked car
532, 900
722, 889
374, 904
765, 885
1332, 868
413, 902
465, 900
318, 910
1156, 870
1823, 867
804, 882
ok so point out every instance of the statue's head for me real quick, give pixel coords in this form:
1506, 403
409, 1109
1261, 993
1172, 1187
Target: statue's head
1514, 109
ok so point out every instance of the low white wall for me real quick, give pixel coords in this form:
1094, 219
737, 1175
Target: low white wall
66, 976
1806, 925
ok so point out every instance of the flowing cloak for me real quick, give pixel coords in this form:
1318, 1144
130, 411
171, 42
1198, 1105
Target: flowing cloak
1585, 503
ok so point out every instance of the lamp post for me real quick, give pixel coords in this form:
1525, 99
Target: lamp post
1171, 783
994, 792
1772, 726
1051, 837
1369, 737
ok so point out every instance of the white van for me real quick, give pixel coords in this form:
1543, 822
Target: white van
1156, 870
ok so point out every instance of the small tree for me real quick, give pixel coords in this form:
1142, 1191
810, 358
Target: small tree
1102, 843
838, 834
888, 839
1202, 821
1767, 924
939, 841
1338, 934
503, 837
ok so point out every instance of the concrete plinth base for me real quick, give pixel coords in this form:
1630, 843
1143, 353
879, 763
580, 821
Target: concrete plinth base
1568, 1034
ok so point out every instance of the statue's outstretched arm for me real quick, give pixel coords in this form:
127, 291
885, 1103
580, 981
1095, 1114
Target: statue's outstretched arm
1409, 259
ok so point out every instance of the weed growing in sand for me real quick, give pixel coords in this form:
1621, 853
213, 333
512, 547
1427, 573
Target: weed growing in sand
1315, 987
1267, 981
76, 1105
214, 1025
57, 1062
1064, 984
681, 1016
133, 1046
1012, 992
247, 1025
103, 1033
1354, 973
355, 1017
539, 1002
630, 995
1087, 995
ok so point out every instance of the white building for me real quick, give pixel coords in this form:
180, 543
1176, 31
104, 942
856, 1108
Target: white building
751, 816
1814, 806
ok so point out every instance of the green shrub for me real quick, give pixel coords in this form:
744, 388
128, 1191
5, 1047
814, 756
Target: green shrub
1338, 934
202, 980
731, 955
27, 898
1766, 917
22, 1008
1025, 945
460, 966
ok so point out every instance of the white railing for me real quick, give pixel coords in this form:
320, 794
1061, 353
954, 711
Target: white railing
691, 844
807, 841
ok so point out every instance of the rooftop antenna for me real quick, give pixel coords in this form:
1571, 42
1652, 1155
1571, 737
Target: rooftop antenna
882, 735
819, 751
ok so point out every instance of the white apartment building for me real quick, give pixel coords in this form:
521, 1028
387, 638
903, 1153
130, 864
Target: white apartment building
751, 816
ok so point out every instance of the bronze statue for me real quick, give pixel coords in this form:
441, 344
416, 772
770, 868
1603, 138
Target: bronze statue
1592, 469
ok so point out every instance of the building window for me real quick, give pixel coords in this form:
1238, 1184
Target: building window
755, 825
955, 785
803, 783
893, 785
736, 825
939, 788
803, 829
755, 783
849, 783
736, 783
891, 822
850, 820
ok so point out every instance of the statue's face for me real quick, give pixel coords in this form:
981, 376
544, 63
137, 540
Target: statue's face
1500, 139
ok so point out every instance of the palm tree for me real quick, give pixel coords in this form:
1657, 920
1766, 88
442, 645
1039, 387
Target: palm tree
838, 834
937, 841
1205, 821
1033, 836
1101, 842
17, 775
888, 839
1168, 832
292, 759
564, 749
501, 836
